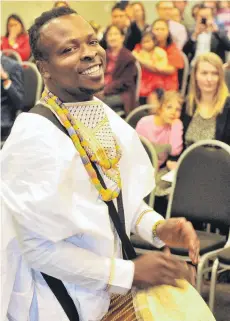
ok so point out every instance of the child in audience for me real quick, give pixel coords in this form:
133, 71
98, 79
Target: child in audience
149, 54
164, 129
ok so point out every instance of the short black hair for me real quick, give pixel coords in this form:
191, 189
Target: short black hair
118, 6
34, 31
18, 19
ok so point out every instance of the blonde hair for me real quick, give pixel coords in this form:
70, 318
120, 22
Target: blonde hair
194, 96
166, 97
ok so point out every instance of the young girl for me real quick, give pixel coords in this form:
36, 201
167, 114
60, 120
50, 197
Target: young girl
164, 129
148, 53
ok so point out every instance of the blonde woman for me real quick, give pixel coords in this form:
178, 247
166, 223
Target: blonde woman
208, 106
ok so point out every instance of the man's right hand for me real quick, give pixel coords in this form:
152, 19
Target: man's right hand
198, 30
158, 268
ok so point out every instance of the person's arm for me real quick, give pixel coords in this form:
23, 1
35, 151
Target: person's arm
23, 48
125, 81
71, 263
224, 40
176, 137
14, 86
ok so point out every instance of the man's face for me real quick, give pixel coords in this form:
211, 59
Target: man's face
76, 61
119, 18
165, 9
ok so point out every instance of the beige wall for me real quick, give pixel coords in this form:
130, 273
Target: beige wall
29, 10
91, 10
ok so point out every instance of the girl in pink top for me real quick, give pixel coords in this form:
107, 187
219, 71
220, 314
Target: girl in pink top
164, 127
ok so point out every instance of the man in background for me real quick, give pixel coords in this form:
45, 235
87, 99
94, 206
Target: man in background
12, 93
207, 36
178, 31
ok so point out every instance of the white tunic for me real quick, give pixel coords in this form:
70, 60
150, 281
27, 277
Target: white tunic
52, 214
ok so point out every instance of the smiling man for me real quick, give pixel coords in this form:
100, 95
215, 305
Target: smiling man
54, 200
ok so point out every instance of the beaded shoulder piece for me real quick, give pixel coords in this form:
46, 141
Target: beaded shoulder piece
82, 146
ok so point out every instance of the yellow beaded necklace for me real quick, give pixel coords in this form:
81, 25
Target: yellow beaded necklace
99, 156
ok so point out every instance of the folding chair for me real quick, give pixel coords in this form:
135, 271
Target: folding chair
133, 118
33, 85
12, 54
140, 245
200, 193
222, 262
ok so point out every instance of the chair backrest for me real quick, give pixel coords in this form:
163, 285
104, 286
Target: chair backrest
33, 85
12, 54
185, 75
201, 188
133, 118
138, 80
149, 199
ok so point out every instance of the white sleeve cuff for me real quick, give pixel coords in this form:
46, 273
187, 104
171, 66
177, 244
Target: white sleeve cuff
144, 227
121, 276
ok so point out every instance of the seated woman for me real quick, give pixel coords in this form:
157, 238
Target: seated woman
169, 73
16, 37
120, 73
137, 27
208, 108
149, 54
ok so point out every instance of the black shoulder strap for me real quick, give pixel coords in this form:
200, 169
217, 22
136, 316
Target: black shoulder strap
129, 253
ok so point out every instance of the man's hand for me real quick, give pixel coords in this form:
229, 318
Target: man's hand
178, 232
158, 268
199, 29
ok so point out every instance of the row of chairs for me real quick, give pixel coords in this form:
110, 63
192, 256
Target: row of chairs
200, 193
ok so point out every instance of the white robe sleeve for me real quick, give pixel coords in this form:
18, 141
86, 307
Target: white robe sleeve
143, 223
72, 264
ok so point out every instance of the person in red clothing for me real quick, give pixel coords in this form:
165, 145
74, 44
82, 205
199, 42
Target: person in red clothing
16, 37
169, 73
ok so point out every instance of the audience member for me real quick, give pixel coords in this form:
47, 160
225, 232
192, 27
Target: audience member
208, 108
129, 11
165, 131
195, 10
150, 57
178, 31
12, 93
206, 37
175, 59
165, 126
16, 37
120, 73
119, 19
223, 15
181, 6
137, 27
58, 4
212, 5
176, 15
